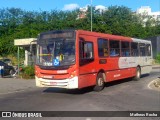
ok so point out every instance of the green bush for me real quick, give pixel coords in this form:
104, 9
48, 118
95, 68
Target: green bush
158, 58
28, 72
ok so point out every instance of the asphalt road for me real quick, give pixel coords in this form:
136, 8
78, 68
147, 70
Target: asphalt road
124, 95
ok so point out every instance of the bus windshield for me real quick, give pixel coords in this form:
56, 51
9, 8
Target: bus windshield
56, 52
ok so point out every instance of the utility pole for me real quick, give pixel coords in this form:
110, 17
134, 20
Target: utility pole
91, 16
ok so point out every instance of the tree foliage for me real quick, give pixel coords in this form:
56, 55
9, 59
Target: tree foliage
16, 23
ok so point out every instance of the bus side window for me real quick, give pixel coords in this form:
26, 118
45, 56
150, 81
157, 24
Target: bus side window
125, 49
114, 48
148, 50
86, 50
142, 49
86, 54
134, 49
102, 47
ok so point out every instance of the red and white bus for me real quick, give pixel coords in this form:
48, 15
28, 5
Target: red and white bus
76, 59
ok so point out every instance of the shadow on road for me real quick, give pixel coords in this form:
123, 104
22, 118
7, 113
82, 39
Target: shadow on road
67, 91
145, 75
87, 89
7, 76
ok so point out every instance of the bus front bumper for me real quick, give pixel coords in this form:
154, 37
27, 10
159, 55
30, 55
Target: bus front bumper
65, 83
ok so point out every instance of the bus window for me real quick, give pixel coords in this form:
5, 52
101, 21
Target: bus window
86, 50
142, 49
86, 54
134, 49
102, 47
125, 49
148, 50
114, 48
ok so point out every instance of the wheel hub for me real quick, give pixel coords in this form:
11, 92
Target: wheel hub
100, 82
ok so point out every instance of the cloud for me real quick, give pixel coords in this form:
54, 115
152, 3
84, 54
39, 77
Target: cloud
70, 7
100, 7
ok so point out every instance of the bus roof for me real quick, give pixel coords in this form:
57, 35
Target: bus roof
101, 35
104, 35
141, 40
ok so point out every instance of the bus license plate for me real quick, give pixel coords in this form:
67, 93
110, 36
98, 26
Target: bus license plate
53, 83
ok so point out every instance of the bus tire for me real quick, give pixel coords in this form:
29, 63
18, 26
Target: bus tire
99, 83
138, 74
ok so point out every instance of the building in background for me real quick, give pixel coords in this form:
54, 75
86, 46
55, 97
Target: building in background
146, 11
101, 8
143, 10
83, 10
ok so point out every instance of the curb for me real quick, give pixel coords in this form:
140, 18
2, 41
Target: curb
154, 84
157, 83
156, 67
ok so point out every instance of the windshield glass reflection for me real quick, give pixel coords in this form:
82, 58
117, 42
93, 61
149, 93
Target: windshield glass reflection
56, 52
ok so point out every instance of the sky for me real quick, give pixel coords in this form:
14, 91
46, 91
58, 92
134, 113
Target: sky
48, 5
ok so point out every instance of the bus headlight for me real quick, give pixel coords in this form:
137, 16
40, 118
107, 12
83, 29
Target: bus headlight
73, 74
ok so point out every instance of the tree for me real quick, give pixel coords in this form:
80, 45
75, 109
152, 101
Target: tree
16, 23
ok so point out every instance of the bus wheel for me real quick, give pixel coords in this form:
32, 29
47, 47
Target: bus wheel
99, 83
138, 74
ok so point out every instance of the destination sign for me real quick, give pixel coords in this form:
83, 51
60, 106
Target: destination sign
68, 34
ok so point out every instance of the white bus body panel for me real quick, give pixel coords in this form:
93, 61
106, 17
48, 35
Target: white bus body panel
145, 62
65, 83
